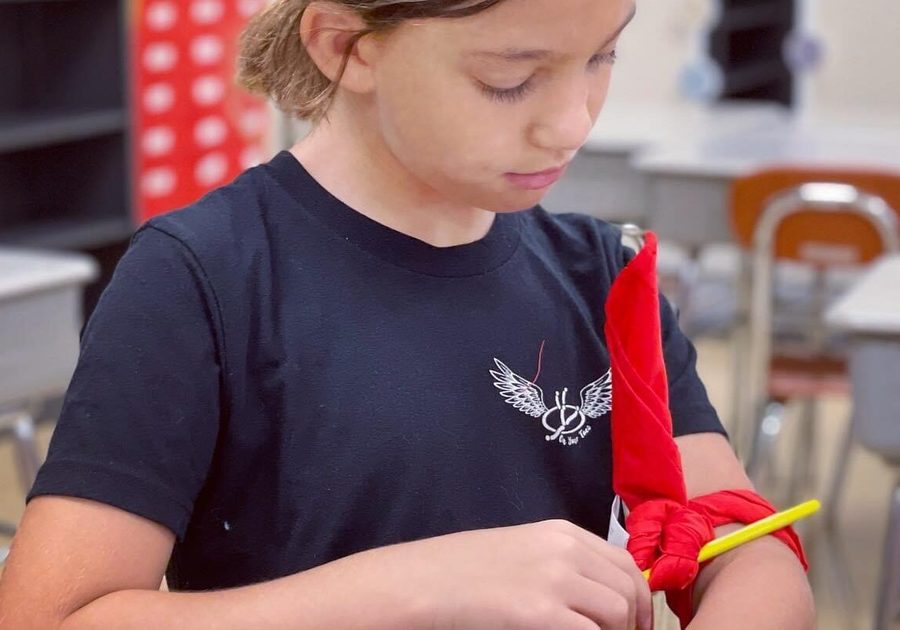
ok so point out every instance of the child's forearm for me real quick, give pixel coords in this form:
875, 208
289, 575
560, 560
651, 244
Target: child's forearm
315, 599
760, 585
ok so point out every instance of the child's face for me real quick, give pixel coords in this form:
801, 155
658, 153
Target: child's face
469, 120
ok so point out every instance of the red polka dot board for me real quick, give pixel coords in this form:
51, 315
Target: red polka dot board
194, 128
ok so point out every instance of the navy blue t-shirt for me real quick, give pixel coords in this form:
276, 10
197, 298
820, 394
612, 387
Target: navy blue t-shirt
282, 381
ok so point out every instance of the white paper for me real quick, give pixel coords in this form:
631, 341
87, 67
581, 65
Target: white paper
617, 535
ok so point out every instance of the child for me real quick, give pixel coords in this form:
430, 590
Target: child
310, 395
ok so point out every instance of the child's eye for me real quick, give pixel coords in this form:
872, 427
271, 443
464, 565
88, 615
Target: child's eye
512, 95
603, 58
507, 95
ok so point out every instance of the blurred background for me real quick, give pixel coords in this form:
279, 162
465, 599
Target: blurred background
760, 139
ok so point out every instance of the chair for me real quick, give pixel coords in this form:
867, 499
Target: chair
826, 219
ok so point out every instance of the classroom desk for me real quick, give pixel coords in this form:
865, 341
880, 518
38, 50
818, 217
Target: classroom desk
870, 314
688, 181
602, 180
40, 321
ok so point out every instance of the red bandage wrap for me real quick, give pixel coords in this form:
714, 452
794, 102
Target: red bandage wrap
666, 537
666, 530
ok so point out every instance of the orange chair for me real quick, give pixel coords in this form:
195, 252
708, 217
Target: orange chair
858, 236
826, 219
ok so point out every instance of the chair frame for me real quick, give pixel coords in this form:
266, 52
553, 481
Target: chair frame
821, 197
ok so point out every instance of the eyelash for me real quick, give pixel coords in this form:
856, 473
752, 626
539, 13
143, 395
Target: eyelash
511, 95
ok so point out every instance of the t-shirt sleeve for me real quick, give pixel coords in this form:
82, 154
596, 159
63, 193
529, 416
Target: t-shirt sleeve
141, 415
692, 412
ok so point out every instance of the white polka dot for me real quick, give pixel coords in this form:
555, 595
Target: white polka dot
158, 141
207, 11
250, 157
159, 98
161, 16
160, 57
248, 7
211, 169
210, 131
208, 90
159, 182
252, 122
207, 50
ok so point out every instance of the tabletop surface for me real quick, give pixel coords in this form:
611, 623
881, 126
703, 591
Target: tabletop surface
29, 271
630, 127
790, 141
872, 305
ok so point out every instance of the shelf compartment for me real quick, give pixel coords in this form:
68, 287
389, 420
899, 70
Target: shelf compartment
76, 188
61, 56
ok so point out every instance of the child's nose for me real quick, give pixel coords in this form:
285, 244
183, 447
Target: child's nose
565, 124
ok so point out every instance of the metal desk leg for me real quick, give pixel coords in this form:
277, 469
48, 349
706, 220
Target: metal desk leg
760, 464
743, 421
803, 461
21, 426
27, 459
7, 531
889, 585
839, 475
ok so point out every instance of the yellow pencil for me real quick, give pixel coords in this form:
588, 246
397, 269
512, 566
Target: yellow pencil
760, 528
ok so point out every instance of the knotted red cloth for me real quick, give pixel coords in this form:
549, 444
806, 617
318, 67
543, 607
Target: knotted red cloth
666, 530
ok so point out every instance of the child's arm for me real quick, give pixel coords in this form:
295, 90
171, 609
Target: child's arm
81, 564
760, 585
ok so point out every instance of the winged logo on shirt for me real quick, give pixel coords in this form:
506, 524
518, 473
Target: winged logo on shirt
565, 423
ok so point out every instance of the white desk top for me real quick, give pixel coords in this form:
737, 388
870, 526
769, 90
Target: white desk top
627, 128
873, 304
785, 142
23, 272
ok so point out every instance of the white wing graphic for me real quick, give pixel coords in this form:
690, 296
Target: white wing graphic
596, 398
521, 394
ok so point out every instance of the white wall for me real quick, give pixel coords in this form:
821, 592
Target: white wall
861, 71
657, 44
862, 64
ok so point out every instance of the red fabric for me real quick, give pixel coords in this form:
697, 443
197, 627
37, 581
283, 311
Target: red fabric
666, 530
646, 462
666, 537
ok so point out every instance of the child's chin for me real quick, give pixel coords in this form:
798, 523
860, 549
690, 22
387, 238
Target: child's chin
520, 200
503, 201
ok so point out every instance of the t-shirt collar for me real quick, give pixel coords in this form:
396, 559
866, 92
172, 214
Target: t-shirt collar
470, 259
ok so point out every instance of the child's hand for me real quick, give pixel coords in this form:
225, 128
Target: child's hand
551, 574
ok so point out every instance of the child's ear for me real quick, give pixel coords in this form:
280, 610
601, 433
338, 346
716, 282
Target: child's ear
327, 30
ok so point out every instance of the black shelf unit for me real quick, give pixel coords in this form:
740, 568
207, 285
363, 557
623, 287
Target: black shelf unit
31, 131
65, 165
747, 43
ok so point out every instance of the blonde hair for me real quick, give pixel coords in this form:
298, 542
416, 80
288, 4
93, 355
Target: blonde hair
273, 61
